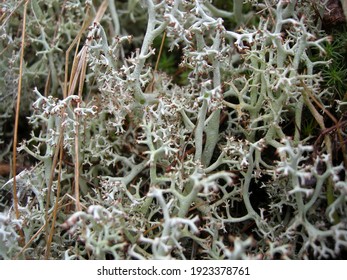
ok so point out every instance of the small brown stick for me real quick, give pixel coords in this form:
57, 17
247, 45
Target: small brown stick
15, 133
325, 130
150, 86
50, 182
77, 77
341, 140
56, 204
308, 95
160, 52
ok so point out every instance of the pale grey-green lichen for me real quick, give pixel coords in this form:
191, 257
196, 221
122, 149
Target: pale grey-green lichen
213, 168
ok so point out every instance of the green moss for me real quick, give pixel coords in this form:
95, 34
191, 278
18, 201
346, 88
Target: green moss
335, 75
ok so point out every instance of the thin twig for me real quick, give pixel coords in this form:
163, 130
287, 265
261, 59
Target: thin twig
56, 204
50, 182
74, 42
77, 77
160, 51
337, 126
77, 163
307, 95
15, 136
150, 87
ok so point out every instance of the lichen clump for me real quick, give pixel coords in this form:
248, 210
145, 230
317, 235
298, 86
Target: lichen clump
205, 155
